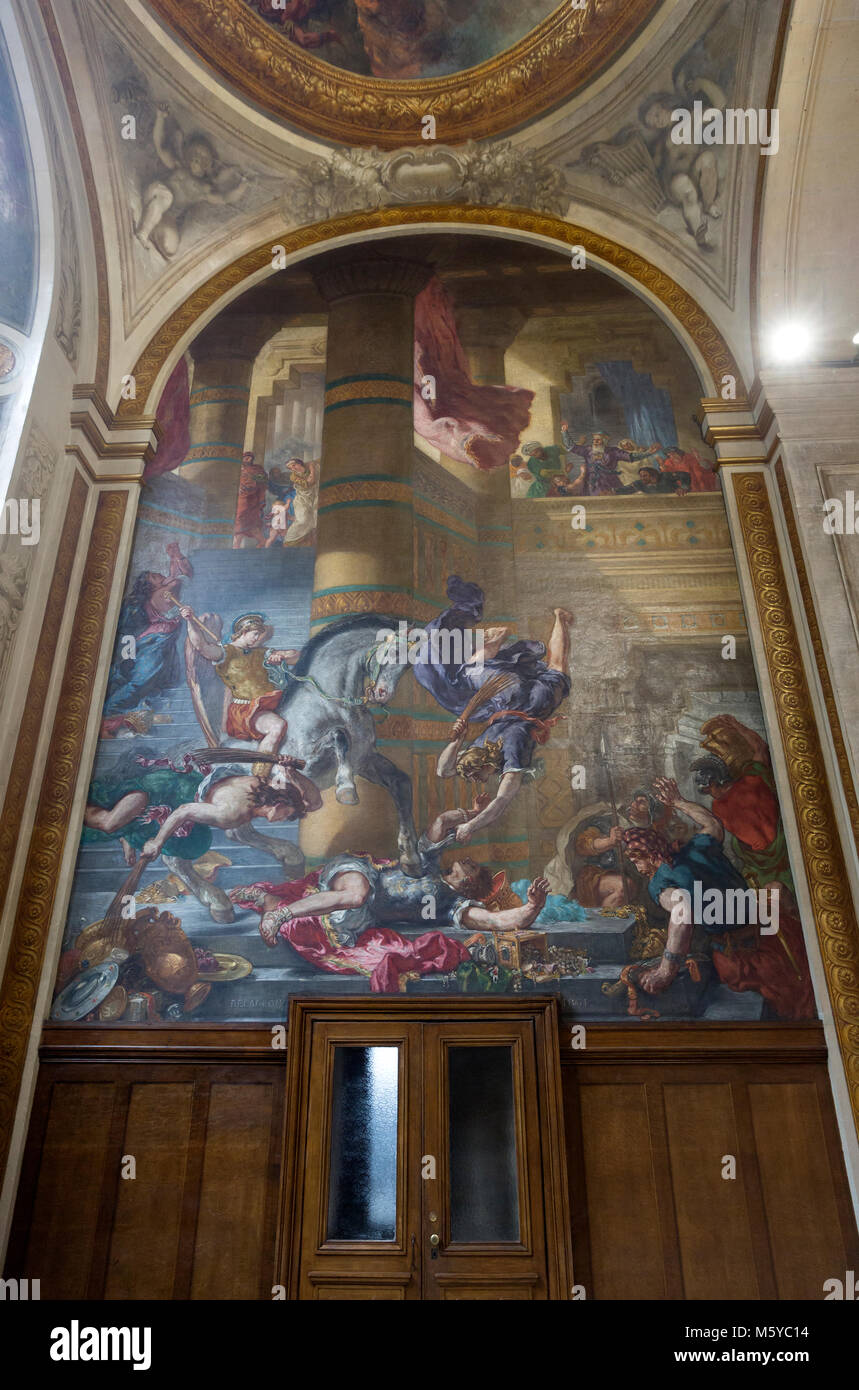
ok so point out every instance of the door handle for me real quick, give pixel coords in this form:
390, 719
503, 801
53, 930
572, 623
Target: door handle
434, 1240
414, 1243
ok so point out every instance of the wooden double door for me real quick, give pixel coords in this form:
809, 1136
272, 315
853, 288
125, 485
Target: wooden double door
425, 1153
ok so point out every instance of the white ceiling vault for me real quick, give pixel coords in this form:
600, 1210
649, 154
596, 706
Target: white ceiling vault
600, 160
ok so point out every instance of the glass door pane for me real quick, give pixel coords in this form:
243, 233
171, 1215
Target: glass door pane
484, 1183
362, 1194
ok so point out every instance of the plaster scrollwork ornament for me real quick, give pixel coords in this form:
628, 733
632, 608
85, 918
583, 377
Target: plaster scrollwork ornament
34, 481
67, 327
13, 587
499, 174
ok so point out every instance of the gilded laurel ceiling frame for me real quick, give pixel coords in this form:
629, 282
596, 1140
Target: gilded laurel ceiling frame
555, 59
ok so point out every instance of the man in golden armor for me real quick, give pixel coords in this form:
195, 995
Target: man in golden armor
247, 669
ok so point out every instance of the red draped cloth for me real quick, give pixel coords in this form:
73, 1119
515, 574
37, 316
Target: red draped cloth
777, 967
480, 425
174, 417
749, 810
380, 954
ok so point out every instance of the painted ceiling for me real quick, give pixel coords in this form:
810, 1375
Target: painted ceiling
368, 71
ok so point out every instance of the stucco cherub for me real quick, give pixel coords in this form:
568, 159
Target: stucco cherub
194, 175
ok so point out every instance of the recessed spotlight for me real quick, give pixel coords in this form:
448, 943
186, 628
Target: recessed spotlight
790, 342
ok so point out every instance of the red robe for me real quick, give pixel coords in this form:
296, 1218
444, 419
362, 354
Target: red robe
778, 966
253, 484
749, 810
380, 954
700, 479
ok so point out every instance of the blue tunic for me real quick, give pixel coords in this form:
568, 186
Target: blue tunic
704, 861
535, 689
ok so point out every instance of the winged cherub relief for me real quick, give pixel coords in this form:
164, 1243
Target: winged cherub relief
174, 173
660, 175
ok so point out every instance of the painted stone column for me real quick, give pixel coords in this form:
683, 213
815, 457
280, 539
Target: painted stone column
365, 528
224, 356
364, 532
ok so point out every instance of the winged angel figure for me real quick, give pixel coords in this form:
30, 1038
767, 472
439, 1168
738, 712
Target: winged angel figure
175, 175
658, 173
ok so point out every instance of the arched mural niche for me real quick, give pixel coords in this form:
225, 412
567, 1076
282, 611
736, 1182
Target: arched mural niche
402, 431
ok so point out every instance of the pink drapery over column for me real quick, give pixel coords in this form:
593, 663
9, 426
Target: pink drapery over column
174, 417
480, 425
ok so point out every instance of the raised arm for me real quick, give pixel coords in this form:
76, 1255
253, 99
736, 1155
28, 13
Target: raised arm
446, 765
507, 789
159, 132
212, 651
512, 918
668, 793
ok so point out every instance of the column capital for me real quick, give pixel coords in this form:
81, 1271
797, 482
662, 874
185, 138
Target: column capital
239, 336
341, 279
489, 325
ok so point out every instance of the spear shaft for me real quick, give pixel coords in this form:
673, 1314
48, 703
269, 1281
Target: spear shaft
614, 810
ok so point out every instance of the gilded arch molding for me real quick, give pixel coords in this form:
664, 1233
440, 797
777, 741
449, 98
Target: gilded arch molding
678, 304
544, 68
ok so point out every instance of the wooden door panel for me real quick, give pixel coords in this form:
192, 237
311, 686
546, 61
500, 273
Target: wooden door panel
231, 1215
798, 1188
329, 1262
70, 1185
149, 1206
458, 1264
358, 1289
517, 1262
623, 1209
454, 1290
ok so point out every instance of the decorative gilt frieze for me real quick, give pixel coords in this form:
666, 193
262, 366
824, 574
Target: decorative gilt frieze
687, 313
544, 68
819, 653
41, 871
834, 912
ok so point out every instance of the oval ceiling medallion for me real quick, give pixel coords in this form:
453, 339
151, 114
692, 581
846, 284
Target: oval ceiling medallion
368, 72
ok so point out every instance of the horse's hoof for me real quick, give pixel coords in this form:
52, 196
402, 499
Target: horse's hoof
347, 795
222, 914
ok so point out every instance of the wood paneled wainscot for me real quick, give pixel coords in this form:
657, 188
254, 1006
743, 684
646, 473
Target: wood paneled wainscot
651, 1114
654, 1117
199, 1112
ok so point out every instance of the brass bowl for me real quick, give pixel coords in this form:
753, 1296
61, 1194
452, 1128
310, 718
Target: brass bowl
168, 955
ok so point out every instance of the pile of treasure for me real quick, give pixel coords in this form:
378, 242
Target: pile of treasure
137, 970
526, 954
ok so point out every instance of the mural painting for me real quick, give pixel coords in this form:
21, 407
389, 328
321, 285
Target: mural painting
504, 773
404, 38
